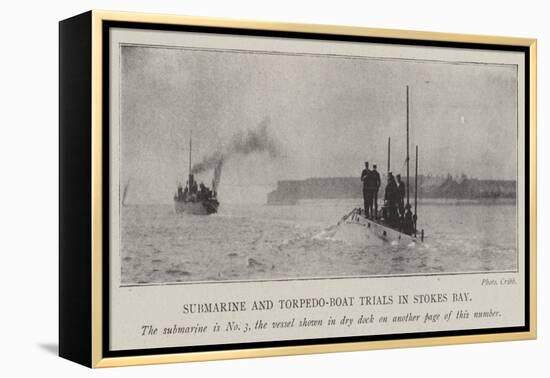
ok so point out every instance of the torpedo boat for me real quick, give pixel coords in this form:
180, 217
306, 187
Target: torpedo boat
195, 199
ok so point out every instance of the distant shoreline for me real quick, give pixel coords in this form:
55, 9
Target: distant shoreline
429, 187
425, 201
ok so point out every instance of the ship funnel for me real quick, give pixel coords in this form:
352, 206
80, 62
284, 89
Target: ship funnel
217, 176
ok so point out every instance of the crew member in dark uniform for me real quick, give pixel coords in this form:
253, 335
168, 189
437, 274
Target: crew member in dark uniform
376, 186
408, 221
202, 192
365, 174
391, 196
185, 193
401, 186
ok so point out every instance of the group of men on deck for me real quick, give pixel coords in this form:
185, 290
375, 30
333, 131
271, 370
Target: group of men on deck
194, 192
394, 212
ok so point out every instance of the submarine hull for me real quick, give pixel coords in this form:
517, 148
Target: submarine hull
356, 219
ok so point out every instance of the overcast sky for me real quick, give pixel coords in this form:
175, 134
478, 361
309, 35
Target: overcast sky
328, 115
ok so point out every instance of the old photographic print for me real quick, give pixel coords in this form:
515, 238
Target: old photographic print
258, 165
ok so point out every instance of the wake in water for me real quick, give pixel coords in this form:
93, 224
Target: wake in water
351, 234
271, 242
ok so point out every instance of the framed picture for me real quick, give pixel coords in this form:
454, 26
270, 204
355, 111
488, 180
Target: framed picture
235, 189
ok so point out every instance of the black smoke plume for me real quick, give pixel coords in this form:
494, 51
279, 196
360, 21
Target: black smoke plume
217, 176
257, 140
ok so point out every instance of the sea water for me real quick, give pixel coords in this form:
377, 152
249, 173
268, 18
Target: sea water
265, 242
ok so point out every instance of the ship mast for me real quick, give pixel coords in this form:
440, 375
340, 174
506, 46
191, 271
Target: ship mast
389, 149
415, 188
191, 178
408, 203
190, 148
125, 192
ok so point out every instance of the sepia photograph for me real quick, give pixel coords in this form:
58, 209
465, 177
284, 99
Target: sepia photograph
258, 165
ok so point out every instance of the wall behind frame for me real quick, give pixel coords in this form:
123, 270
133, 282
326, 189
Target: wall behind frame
29, 162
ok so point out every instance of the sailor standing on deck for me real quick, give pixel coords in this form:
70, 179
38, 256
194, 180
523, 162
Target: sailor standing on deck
365, 177
376, 186
401, 186
185, 193
408, 221
391, 196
